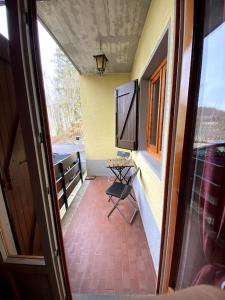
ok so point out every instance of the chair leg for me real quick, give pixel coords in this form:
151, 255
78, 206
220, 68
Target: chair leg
133, 215
129, 221
124, 217
110, 197
133, 197
136, 208
114, 207
134, 203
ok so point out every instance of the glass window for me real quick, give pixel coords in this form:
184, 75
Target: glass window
155, 110
155, 107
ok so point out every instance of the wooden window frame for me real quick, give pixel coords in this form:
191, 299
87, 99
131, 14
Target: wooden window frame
160, 73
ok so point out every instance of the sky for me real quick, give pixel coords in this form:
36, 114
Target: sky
48, 45
47, 49
212, 83
3, 23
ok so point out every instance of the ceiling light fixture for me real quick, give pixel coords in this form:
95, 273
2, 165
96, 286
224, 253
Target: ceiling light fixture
101, 61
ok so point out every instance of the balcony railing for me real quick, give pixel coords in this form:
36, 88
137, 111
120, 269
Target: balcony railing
68, 174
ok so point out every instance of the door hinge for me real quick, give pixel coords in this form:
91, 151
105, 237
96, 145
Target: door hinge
40, 138
48, 190
56, 252
26, 18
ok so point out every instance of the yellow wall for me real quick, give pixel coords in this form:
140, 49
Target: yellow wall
98, 104
160, 14
98, 108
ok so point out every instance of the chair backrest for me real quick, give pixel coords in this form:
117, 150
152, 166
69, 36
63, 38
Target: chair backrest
132, 177
123, 154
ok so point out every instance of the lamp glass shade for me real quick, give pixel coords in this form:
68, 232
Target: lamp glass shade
101, 61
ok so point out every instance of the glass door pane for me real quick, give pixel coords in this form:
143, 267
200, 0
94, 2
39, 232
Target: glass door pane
203, 247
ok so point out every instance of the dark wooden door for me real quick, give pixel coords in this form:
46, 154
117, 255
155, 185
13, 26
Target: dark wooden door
30, 257
127, 115
13, 164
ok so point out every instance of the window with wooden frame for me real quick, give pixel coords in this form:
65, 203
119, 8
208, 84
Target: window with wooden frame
157, 83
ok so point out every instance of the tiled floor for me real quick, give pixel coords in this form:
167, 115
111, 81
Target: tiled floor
106, 256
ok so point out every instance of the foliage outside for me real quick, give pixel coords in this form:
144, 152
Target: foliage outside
63, 100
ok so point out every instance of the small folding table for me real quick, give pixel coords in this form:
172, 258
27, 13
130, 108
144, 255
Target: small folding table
120, 167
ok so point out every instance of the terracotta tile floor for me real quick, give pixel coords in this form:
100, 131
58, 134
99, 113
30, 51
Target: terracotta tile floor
107, 256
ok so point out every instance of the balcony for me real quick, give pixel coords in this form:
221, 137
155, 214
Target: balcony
105, 256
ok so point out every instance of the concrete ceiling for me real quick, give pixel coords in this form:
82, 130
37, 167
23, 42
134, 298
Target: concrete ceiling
79, 25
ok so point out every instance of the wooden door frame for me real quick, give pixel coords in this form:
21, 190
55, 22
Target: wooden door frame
185, 82
169, 213
25, 63
197, 25
32, 10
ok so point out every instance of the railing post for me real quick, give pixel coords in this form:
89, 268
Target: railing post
63, 185
79, 162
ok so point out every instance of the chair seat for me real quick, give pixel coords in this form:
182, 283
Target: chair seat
119, 190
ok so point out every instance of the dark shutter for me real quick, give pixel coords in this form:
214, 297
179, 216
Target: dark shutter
127, 115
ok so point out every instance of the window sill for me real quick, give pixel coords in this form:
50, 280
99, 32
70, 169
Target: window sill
155, 155
154, 164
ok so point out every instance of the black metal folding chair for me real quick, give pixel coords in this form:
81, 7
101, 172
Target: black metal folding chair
121, 191
123, 154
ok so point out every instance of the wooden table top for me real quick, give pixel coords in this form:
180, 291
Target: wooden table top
120, 163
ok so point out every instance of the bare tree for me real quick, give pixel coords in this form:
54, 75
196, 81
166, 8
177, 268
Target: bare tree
65, 109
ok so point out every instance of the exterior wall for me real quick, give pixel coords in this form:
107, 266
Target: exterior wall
98, 111
98, 107
149, 187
